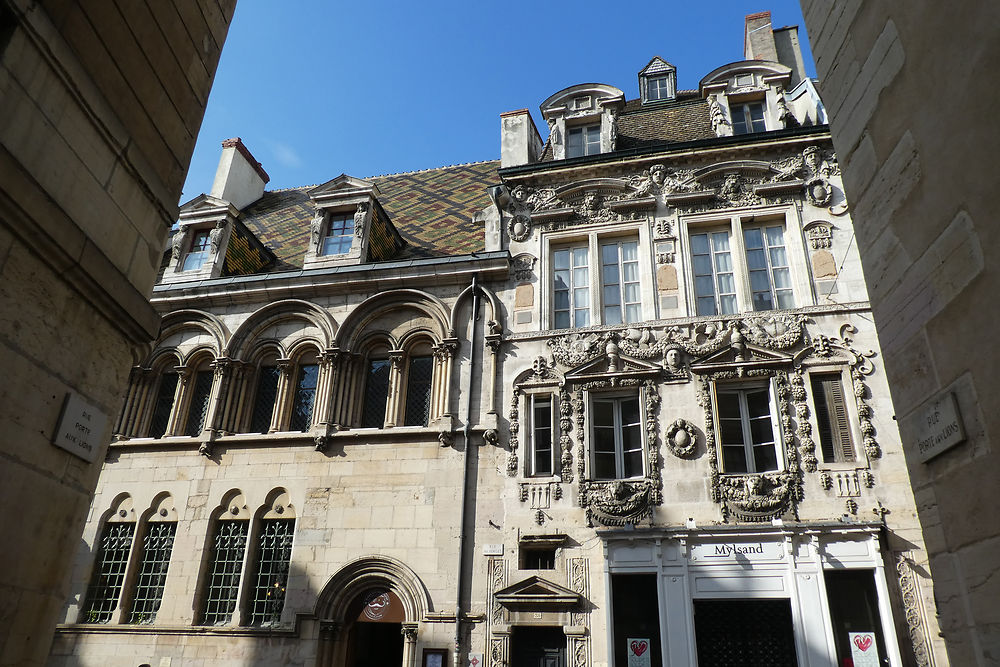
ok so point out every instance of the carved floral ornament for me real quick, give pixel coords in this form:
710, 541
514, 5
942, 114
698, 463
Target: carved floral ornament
731, 184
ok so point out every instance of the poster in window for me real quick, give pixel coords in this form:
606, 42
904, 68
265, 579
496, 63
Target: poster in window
638, 652
864, 650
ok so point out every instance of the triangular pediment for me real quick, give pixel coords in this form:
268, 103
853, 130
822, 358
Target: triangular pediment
537, 591
743, 355
344, 185
204, 202
608, 366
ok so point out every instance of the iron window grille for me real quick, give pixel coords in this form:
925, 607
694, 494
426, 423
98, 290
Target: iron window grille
109, 572
163, 405
340, 235
418, 391
376, 393
263, 401
157, 545
223, 583
274, 553
305, 397
198, 408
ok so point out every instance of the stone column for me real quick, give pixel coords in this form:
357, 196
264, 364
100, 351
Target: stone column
409, 631
180, 392
392, 406
285, 367
221, 374
325, 400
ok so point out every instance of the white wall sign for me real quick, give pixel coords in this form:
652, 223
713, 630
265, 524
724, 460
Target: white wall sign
493, 550
864, 650
80, 428
638, 652
736, 551
937, 427
476, 660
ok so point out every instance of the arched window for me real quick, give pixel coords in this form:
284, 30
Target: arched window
265, 393
113, 548
199, 392
156, 544
306, 377
376, 382
221, 585
271, 560
419, 376
163, 401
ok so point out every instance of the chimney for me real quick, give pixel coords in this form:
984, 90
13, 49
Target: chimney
758, 40
786, 42
240, 179
520, 142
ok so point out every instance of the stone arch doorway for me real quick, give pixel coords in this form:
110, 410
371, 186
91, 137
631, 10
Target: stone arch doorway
369, 613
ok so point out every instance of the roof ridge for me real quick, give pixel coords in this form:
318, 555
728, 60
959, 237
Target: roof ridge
420, 171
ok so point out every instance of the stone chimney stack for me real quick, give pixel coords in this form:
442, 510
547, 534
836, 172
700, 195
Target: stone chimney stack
762, 42
240, 179
520, 142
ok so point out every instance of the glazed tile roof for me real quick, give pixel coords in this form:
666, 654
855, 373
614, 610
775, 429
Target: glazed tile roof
431, 209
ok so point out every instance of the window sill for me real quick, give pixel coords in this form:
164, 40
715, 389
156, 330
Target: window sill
153, 628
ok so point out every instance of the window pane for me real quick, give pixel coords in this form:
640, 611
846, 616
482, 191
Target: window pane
753, 238
723, 262
762, 301
542, 437
632, 292
157, 545
720, 241
758, 403
109, 572
630, 251
604, 439
729, 405
703, 286
739, 120
630, 411
782, 279
633, 464
198, 407
785, 299
756, 112
731, 431
728, 305
706, 306
760, 430
610, 274
581, 298
581, 318
609, 253
756, 259
418, 391
263, 404
632, 313
562, 299
270, 572
376, 393
734, 459
604, 466
726, 283
702, 265
699, 244
560, 259
305, 396
562, 319
759, 281
612, 297
613, 314
765, 458
164, 405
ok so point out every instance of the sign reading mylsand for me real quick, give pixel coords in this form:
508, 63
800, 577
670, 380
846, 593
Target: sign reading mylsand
936, 427
80, 428
721, 551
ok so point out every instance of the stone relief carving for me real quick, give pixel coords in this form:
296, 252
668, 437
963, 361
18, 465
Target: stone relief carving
910, 592
807, 447
215, 236
565, 441
579, 581
316, 232
177, 243
519, 227
523, 266
515, 427
820, 235
717, 114
756, 497
681, 438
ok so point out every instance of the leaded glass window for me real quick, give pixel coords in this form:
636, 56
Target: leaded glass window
223, 584
274, 553
376, 393
305, 397
163, 405
109, 572
201, 389
418, 391
263, 401
157, 545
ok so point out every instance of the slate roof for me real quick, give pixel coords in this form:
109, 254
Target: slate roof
684, 118
431, 209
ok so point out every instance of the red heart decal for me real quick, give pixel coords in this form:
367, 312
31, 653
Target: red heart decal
863, 643
638, 648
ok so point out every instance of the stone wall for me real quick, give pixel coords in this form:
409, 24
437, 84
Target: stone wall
102, 105
909, 98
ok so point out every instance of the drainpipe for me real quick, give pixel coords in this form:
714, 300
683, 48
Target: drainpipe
466, 475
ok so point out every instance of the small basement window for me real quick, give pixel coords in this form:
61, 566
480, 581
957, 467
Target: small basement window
535, 558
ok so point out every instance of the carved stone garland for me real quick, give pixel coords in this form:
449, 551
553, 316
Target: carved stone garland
515, 427
620, 502
681, 438
755, 497
499, 643
910, 593
579, 582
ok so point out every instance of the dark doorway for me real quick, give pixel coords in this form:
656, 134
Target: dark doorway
853, 608
538, 647
637, 615
744, 633
376, 645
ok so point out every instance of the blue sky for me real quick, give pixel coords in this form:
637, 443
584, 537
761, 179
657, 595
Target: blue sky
316, 89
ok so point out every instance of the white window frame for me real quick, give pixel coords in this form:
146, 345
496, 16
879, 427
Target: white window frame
665, 89
593, 240
734, 223
529, 403
585, 129
329, 238
742, 388
743, 108
616, 398
201, 254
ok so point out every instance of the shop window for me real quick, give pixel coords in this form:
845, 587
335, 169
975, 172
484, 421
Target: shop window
747, 429
748, 118
853, 600
636, 617
744, 633
157, 545
616, 432
339, 235
198, 251
831, 417
109, 572
541, 460
270, 571
583, 140
229, 543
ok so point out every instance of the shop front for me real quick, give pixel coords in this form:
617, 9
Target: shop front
811, 595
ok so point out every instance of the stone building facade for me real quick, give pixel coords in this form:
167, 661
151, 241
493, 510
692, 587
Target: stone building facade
919, 168
101, 105
613, 399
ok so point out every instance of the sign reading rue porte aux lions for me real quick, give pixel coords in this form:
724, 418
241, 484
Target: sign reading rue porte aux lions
80, 428
937, 427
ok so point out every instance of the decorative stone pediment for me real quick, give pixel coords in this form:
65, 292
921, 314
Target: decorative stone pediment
538, 593
739, 354
204, 206
610, 365
340, 187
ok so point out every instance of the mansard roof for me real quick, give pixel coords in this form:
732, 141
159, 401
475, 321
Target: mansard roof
431, 209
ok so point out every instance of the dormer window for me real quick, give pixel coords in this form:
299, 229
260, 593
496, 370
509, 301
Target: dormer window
198, 252
748, 118
339, 234
585, 140
658, 88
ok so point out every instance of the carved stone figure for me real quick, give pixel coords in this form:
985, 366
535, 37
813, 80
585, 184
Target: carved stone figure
177, 244
315, 232
359, 220
554, 136
523, 264
674, 359
215, 236
717, 114
681, 438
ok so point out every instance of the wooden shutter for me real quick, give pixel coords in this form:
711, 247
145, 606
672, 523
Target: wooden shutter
831, 418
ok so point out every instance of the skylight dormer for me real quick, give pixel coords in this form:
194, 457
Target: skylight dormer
657, 81
583, 120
